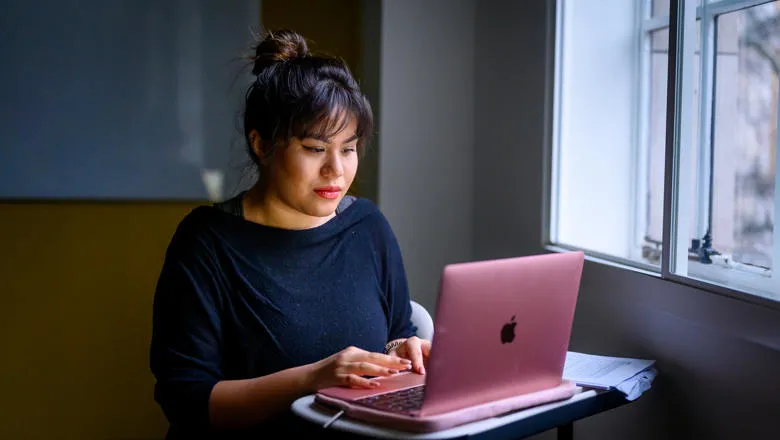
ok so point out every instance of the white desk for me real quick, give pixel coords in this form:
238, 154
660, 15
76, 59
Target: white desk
514, 425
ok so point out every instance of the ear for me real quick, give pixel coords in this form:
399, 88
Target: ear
258, 147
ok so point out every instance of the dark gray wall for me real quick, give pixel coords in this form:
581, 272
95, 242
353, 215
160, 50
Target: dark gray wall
719, 358
370, 83
426, 184
510, 56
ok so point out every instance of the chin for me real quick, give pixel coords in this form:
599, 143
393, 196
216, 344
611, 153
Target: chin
323, 208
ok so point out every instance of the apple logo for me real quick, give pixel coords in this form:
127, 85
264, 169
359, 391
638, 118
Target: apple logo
508, 331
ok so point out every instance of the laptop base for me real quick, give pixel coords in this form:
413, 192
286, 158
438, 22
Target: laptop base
438, 422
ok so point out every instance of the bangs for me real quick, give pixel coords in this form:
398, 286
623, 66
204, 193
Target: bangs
327, 111
307, 97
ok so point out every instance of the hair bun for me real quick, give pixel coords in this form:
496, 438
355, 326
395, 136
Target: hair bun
279, 46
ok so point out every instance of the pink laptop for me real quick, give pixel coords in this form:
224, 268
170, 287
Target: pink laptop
502, 330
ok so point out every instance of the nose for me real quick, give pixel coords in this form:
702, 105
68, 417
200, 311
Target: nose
333, 167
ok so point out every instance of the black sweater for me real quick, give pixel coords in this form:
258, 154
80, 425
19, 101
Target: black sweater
236, 300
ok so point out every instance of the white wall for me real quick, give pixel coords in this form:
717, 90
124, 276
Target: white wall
426, 108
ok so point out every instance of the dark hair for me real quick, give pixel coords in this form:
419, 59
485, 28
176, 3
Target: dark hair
297, 94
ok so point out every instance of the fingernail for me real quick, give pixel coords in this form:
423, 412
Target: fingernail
374, 384
392, 371
406, 361
422, 370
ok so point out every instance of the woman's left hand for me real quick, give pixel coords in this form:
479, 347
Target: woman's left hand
415, 349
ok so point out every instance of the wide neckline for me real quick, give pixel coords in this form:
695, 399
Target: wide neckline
335, 223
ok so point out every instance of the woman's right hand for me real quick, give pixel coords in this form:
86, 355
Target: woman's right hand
347, 368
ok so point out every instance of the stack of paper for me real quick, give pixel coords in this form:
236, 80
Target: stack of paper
602, 371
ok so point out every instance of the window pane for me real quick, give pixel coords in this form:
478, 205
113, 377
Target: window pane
728, 198
745, 134
656, 140
658, 71
698, 198
660, 8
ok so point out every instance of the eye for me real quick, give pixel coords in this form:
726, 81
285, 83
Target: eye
314, 149
349, 150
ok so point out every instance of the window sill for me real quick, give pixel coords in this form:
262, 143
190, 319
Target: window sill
620, 263
731, 287
757, 284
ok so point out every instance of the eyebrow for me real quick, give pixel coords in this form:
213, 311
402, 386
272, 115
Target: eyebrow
327, 141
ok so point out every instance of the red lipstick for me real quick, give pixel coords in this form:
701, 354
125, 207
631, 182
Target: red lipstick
328, 192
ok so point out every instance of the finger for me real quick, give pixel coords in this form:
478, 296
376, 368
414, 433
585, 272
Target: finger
355, 381
425, 345
415, 353
369, 369
357, 355
388, 361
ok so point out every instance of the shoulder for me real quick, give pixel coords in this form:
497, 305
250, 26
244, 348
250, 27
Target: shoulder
198, 220
196, 229
366, 215
360, 210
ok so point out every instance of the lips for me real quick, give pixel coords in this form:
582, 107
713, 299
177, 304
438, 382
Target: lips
328, 192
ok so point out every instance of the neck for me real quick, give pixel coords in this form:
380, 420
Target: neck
262, 205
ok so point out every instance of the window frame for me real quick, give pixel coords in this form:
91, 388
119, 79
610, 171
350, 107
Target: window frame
683, 15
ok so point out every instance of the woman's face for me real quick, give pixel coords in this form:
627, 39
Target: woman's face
311, 175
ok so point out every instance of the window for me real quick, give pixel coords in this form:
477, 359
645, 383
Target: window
688, 190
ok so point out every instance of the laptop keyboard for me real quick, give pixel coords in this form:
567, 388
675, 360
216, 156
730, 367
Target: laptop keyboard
408, 399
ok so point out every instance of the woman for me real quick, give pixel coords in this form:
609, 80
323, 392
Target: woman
292, 286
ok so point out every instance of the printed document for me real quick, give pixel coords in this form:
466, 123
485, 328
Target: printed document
601, 371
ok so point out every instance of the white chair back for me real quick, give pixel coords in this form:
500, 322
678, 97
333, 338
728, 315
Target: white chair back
422, 320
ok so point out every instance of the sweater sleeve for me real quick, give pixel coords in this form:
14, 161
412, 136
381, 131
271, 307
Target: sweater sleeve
396, 287
185, 353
